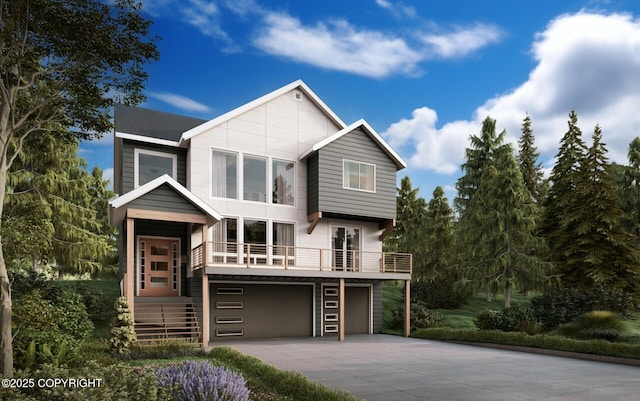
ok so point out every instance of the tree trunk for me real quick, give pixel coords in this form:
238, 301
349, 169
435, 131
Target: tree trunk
488, 293
6, 339
507, 294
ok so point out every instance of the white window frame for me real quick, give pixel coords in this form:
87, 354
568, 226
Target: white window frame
238, 173
136, 163
345, 183
271, 178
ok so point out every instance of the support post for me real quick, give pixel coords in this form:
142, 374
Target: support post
129, 290
407, 307
341, 309
205, 289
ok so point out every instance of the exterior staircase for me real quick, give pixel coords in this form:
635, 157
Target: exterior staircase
166, 318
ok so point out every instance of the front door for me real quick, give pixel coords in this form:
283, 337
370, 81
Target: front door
159, 267
345, 242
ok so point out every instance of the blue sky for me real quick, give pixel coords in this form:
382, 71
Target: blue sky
423, 74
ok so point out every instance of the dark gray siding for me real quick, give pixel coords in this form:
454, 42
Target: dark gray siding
312, 183
332, 198
164, 198
195, 292
128, 154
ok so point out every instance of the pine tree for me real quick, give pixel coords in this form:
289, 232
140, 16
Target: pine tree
560, 197
628, 184
601, 251
527, 158
478, 158
439, 241
409, 233
48, 173
503, 250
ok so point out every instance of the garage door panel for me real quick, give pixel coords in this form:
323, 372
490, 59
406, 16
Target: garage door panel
266, 310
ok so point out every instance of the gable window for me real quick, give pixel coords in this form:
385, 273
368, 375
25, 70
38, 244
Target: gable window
283, 176
254, 180
150, 165
360, 176
224, 171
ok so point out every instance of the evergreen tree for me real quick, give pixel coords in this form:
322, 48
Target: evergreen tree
478, 158
628, 184
49, 173
530, 169
600, 251
561, 197
409, 233
503, 250
439, 239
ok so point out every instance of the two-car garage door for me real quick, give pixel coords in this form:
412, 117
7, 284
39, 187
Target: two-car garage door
240, 310
261, 310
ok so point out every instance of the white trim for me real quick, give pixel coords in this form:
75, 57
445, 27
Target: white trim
153, 184
399, 161
187, 135
136, 163
344, 184
229, 305
146, 139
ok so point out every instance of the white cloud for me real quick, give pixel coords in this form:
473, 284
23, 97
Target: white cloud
107, 175
462, 41
179, 101
399, 9
585, 61
337, 45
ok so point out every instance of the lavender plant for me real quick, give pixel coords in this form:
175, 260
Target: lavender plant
203, 381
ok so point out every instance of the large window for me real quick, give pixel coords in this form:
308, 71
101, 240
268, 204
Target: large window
283, 176
150, 165
254, 180
360, 176
224, 166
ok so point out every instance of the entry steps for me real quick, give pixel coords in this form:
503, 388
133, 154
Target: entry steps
166, 318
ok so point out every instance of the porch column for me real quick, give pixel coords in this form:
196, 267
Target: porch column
407, 307
341, 309
205, 288
129, 292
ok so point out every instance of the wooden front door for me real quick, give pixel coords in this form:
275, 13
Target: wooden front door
159, 266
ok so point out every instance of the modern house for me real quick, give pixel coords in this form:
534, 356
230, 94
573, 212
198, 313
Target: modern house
266, 221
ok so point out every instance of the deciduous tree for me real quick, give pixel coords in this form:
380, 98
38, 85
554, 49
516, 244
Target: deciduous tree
60, 62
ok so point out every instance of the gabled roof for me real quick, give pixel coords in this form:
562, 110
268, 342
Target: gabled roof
260, 101
151, 125
395, 157
117, 211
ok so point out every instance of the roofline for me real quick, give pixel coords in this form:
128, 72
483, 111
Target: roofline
299, 84
155, 183
397, 159
147, 139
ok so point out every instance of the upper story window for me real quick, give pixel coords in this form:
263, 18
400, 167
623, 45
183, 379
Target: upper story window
358, 175
224, 166
283, 176
254, 186
150, 164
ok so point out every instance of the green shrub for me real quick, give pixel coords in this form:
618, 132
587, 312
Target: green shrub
122, 335
562, 305
23, 283
420, 316
592, 325
116, 382
442, 292
560, 343
165, 350
515, 318
95, 302
48, 332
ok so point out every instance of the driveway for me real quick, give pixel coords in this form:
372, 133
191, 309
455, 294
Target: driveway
391, 368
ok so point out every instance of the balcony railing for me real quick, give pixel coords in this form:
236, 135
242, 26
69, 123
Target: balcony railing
231, 254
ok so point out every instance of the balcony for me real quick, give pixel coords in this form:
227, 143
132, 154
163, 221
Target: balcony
260, 259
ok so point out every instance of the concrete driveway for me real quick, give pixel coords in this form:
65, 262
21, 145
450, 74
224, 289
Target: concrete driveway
391, 368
